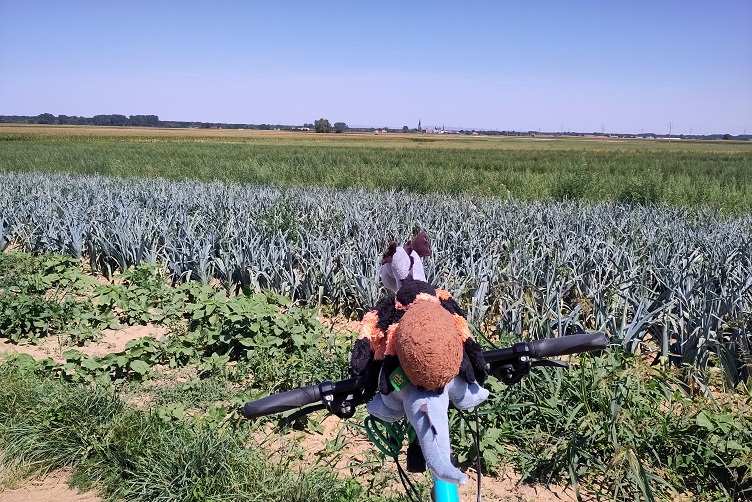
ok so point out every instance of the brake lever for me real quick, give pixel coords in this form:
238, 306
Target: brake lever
342, 405
512, 372
551, 363
339, 403
293, 417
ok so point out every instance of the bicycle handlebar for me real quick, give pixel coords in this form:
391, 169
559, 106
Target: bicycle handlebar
302, 396
549, 347
297, 398
565, 345
282, 401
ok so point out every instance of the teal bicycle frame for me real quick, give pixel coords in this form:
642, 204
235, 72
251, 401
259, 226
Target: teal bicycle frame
445, 492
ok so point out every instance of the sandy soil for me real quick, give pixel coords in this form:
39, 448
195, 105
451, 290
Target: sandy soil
111, 341
53, 488
503, 488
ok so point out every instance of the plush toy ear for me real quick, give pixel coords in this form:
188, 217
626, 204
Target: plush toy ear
419, 273
389, 253
387, 277
420, 244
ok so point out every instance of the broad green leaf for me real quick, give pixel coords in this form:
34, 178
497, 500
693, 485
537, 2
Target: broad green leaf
139, 366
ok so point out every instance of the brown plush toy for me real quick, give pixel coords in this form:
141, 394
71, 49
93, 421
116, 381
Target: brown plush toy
429, 345
432, 346
423, 331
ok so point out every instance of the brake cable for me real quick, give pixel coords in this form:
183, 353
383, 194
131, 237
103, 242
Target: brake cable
388, 438
476, 441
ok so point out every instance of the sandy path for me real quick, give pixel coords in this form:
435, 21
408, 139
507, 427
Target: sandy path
53, 488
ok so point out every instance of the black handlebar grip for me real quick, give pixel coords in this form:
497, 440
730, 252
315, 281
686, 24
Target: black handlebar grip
282, 402
569, 344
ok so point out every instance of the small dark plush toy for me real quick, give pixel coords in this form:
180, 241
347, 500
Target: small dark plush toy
415, 348
398, 263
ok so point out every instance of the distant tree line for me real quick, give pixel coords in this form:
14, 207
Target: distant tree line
321, 125
129, 121
102, 120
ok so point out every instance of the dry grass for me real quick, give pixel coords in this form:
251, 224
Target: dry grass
392, 140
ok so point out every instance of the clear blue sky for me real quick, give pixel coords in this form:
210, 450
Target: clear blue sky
617, 66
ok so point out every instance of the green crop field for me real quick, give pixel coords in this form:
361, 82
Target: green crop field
685, 173
238, 244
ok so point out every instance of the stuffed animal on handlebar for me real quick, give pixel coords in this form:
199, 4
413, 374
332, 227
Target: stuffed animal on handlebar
417, 354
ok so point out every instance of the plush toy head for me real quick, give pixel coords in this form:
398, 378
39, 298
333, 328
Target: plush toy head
429, 345
400, 262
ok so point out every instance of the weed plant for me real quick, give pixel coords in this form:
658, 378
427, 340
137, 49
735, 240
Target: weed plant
616, 423
278, 345
47, 296
137, 456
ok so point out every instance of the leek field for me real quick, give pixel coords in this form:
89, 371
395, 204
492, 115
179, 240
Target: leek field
236, 240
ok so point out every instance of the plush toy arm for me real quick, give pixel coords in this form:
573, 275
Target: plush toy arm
362, 363
368, 352
473, 367
450, 304
361, 356
391, 363
467, 373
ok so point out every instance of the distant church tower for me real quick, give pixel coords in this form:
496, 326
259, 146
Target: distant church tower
420, 129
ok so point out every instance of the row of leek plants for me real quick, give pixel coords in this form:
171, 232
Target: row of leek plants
677, 279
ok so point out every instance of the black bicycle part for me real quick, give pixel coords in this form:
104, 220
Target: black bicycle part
340, 398
416, 462
549, 347
509, 364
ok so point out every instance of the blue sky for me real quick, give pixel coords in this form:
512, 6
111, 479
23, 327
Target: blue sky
626, 66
